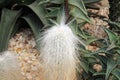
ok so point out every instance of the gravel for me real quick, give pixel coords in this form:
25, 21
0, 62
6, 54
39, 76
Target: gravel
23, 44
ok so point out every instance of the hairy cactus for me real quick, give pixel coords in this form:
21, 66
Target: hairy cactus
9, 67
58, 50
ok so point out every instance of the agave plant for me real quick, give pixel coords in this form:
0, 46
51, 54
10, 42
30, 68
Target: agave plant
43, 14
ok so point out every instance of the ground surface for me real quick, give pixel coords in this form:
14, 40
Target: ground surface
23, 44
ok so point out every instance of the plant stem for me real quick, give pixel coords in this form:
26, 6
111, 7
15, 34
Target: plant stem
66, 10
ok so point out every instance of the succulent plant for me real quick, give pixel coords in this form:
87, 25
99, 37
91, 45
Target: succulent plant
9, 67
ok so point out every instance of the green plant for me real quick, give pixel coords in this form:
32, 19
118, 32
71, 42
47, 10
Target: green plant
40, 15
8, 20
107, 58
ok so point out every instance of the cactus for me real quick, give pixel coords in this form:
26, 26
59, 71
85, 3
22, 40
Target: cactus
58, 50
9, 67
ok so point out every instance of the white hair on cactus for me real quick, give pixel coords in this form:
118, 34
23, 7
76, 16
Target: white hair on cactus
9, 67
59, 53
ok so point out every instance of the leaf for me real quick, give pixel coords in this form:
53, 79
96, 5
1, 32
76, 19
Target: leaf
118, 51
53, 13
79, 4
103, 59
111, 64
99, 73
101, 50
78, 10
60, 14
90, 1
57, 1
113, 23
8, 20
12, 2
111, 46
111, 35
85, 66
16, 27
118, 60
91, 39
40, 11
116, 73
34, 23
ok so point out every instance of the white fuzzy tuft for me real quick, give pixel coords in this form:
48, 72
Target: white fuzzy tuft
58, 48
9, 67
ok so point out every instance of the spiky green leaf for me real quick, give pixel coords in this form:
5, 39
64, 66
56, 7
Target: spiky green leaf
111, 64
57, 1
34, 23
8, 19
116, 73
90, 1
79, 11
112, 36
40, 11
99, 73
